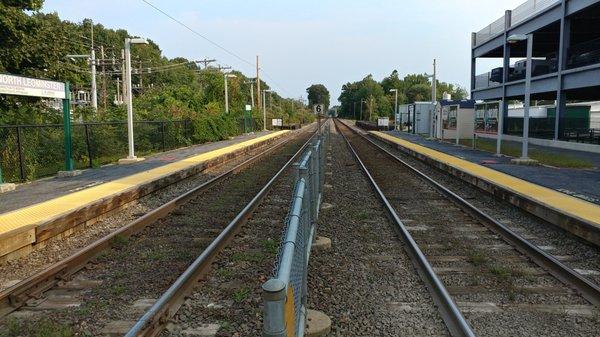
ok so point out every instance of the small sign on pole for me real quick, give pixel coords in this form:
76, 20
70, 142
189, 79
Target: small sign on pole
319, 109
277, 122
383, 122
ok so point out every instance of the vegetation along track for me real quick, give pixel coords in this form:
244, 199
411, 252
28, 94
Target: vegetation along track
119, 284
497, 287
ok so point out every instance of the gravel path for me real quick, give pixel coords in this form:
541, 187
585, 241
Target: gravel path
499, 291
58, 248
573, 251
366, 283
140, 268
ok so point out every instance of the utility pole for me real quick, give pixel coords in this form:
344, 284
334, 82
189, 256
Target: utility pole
251, 82
141, 75
93, 63
258, 84
103, 78
206, 62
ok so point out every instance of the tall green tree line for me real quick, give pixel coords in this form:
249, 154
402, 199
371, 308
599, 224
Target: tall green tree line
35, 44
376, 99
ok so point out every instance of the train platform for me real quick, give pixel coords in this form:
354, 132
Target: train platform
569, 198
45, 208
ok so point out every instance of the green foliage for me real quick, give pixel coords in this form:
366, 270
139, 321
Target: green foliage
318, 94
35, 44
376, 99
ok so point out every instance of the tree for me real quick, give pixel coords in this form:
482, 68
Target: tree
318, 94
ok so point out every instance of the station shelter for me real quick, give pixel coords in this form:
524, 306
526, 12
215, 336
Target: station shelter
455, 118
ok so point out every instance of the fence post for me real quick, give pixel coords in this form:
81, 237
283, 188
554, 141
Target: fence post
314, 162
162, 131
274, 294
88, 145
21, 159
67, 128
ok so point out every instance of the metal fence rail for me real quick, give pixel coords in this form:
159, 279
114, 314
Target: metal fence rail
285, 294
28, 152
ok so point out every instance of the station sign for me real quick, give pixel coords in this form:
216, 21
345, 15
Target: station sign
383, 121
25, 86
277, 122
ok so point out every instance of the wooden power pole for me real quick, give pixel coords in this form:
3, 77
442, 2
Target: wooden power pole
257, 82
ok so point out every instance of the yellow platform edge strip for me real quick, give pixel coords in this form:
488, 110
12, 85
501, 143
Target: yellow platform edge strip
561, 202
47, 210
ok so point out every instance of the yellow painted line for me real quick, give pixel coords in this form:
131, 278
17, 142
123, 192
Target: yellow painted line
27, 217
561, 202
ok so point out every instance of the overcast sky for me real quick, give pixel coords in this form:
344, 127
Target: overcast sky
309, 41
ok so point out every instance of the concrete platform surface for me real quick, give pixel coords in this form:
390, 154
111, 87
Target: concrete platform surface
574, 214
60, 196
49, 188
581, 183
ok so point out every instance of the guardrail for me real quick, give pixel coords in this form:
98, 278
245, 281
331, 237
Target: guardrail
285, 294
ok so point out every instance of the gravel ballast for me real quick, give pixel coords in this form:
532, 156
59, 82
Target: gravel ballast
60, 247
138, 269
366, 283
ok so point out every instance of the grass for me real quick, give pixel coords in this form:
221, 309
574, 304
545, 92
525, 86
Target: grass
43, 328
501, 272
248, 257
118, 290
119, 241
269, 246
241, 294
362, 215
478, 258
543, 156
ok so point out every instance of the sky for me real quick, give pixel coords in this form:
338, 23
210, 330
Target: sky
310, 41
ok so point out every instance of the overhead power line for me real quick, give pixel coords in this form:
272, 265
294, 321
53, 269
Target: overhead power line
200, 35
213, 43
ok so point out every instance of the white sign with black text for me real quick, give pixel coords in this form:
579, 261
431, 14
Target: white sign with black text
25, 86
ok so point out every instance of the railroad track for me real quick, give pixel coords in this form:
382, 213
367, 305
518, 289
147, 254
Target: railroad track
107, 286
485, 279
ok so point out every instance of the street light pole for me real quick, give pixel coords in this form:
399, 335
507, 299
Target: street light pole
94, 87
129, 99
527, 102
226, 76
525, 150
395, 91
362, 101
264, 104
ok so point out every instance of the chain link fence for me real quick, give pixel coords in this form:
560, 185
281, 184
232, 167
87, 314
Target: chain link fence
285, 294
29, 152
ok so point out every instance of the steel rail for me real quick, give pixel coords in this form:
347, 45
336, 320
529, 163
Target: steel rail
451, 315
586, 288
154, 319
32, 287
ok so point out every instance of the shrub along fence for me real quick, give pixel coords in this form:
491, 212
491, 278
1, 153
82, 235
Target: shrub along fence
29, 152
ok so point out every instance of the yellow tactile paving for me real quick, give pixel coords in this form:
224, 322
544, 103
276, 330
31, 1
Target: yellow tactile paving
564, 203
30, 216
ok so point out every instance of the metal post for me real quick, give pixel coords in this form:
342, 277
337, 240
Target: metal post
162, 131
67, 128
396, 108
458, 125
500, 128
252, 94
226, 96
264, 111
129, 99
524, 153
94, 87
88, 145
21, 159
274, 294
